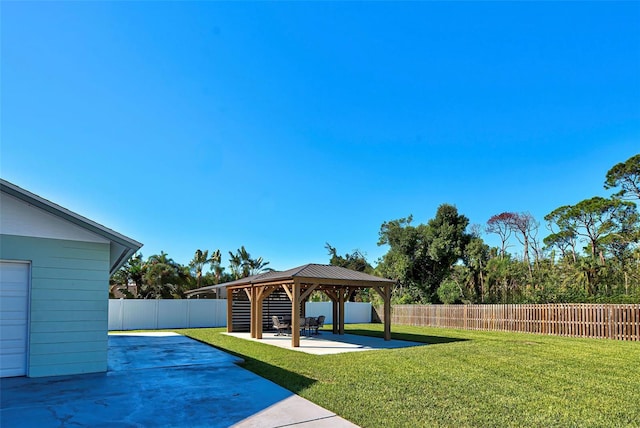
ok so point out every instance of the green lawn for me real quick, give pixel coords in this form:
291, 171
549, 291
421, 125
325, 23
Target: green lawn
461, 378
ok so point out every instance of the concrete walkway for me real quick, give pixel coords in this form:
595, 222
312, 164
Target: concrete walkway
159, 380
327, 343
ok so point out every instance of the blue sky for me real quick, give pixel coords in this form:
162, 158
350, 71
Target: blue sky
283, 126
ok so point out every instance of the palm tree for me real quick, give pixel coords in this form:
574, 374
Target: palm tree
235, 262
258, 265
242, 265
200, 259
132, 270
162, 277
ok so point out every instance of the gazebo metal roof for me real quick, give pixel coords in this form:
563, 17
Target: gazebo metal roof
322, 274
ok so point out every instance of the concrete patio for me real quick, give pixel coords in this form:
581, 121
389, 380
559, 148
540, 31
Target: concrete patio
160, 380
327, 343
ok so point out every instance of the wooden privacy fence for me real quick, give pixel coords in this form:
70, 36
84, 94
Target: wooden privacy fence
621, 322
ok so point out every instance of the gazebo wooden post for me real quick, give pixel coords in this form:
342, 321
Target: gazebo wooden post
229, 310
387, 312
341, 312
385, 292
295, 315
259, 300
334, 309
336, 321
252, 298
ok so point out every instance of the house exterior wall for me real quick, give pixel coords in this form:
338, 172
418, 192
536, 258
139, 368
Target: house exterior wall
21, 219
69, 303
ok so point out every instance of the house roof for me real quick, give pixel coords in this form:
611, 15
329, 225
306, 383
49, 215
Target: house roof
310, 273
122, 247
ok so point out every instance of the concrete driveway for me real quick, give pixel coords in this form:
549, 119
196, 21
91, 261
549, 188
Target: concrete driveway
159, 380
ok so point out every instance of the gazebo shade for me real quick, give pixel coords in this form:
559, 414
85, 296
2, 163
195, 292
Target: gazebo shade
336, 282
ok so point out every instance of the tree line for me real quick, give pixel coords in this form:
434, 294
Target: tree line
160, 277
589, 254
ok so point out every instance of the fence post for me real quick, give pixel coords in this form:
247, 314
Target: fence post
121, 313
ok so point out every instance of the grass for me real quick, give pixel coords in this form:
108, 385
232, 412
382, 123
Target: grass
462, 379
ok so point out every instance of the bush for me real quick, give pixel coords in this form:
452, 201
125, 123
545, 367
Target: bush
449, 292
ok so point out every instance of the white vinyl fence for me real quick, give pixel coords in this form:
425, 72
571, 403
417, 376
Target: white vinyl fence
354, 312
134, 314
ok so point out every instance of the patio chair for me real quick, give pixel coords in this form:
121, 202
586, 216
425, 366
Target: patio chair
319, 323
279, 325
304, 325
311, 323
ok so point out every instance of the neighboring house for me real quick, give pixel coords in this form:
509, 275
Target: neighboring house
54, 286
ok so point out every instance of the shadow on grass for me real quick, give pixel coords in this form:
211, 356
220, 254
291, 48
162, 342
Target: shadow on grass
292, 381
423, 338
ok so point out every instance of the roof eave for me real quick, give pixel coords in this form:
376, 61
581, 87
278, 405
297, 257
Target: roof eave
130, 245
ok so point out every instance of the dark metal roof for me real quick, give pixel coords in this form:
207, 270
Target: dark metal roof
210, 288
311, 270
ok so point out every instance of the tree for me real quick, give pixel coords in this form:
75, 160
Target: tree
505, 279
449, 292
500, 225
476, 257
523, 225
132, 271
235, 264
592, 219
162, 278
607, 226
619, 243
446, 239
200, 260
565, 240
420, 257
258, 265
625, 175
242, 265
354, 261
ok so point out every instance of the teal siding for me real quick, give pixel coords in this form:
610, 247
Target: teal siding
79, 295
69, 303
64, 338
48, 349
60, 369
67, 273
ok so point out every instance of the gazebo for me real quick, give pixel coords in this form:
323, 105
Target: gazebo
336, 282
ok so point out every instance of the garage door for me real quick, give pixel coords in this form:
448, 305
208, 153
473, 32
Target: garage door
14, 304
